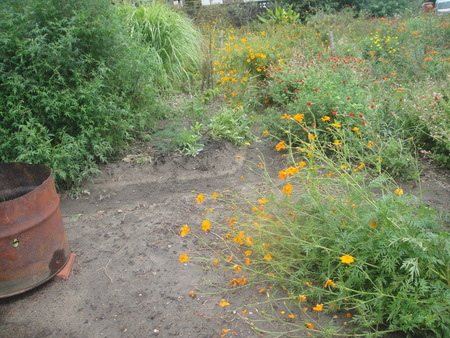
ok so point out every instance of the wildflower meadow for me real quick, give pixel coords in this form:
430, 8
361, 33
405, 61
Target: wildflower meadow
353, 105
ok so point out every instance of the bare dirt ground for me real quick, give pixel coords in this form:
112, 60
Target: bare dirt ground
127, 280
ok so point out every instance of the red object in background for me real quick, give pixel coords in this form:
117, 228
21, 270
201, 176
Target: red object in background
427, 7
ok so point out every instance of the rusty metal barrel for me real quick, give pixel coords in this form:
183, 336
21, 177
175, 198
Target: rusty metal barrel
33, 242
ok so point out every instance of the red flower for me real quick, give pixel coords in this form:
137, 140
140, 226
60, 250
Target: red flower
386, 99
373, 100
361, 115
334, 113
351, 114
308, 103
349, 98
316, 89
436, 98
363, 122
372, 106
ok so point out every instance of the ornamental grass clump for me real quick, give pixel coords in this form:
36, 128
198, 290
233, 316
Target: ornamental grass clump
342, 234
169, 34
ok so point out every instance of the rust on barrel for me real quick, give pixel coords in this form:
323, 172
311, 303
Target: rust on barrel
33, 243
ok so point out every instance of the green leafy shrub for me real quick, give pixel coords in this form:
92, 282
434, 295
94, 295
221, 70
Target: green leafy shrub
232, 125
74, 87
280, 16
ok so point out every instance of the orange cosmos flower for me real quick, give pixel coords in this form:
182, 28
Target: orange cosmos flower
184, 230
309, 326
183, 258
268, 257
329, 283
287, 189
311, 136
282, 174
215, 195
280, 146
373, 224
200, 198
206, 225
302, 298
292, 170
318, 307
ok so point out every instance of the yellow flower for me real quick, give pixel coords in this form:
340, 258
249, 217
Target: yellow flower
399, 191
268, 257
287, 189
370, 144
247, 253
337, 125
355, 129
309, 325
183, 258
330, 283
215, 195
347, 259
301, 163
206, 225
292, 170
299, 117
286, 116
184, 230
223, 303
337, 143
200, 198
280, 146
301, 298
263, 200
282, 174
318, 307
311, 136
326, 118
